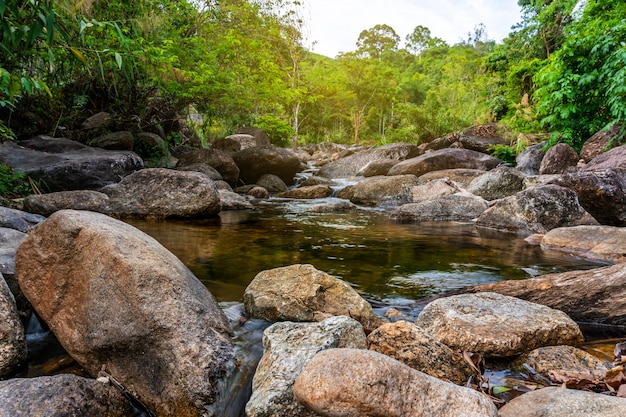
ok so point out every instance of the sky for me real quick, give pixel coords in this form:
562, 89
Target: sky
335, 25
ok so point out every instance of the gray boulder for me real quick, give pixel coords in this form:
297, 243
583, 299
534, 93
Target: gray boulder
559, 402
377, 167
351, 382
287, 347
10, 240
61, 396
303, 293
498, 183
62, 164
460, 176
601, 193
257, 161
496, 325
163, 193
18, 220
120, 141
207, 170
215, 158
233, 201
411, 345
529, 160
455, 207
445, 159
536, 210
115, 298
46, 204
12, 341
376, 190
615, 159
272, 183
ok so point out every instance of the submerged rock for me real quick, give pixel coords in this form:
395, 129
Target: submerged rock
287, 348
115, 297
350, 382
303, 293
409, 344
61, 396
496, 325
559, 402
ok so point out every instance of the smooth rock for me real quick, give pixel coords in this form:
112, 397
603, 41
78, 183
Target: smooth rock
246, 140
560, 402
272, 183
435, 188
529, 160
287, 348
495, 325
498, 183
12, 341
600, 142
350, 165
536, 210
460, 176
207, 170
10, 240
258, 192
302, 293
120, 141
613, 159
594, 296
350, 382
604, 243
564, 358
61, 396
559, 159
257, 161
19, 220
445, 159
601, 193
46, 204
315, 180
311, 192
377, 167
456, 207
114, 297
233, 201
218, 160
163, 193
374, 190
260, 137
409, 344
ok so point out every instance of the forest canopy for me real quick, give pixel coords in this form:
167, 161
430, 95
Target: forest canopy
232, 63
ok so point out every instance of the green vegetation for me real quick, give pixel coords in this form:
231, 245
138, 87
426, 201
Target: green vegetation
245, 62
13, 185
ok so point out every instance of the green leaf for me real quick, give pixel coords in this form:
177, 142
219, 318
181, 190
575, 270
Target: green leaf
118, 59
499, 390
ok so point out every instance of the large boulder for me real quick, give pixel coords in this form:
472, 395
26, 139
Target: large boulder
600, 142
445, 159
257, 161
115, 298
62, 164
498, 183
377, 167
414, 347
606, 243
559, 402
496, 325
350, 382
272, 183
215, 158
353, 164
260, 137
376, 190
482, 138
61, 396
615, 158
455, 207
536, 210
559, 159
163, 193
303, 293
601, 193
120, 141
594, 296
460, 176
12, 342
287, 347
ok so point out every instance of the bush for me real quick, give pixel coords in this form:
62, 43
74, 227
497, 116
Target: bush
279, 131
13, 184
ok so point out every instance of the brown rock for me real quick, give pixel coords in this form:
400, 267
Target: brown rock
377, 167
456, 207
460, 176
600, 143
615, 158
303, 293
412, 346
258, 192
349, 382
496, 325
115, 297
564, 358
311, 192
594, 296
12, 342
595, 242
254, 162
375, 190
219, 160
46, 204
559, 159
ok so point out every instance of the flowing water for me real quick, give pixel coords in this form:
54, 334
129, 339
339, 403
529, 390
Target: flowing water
390, 264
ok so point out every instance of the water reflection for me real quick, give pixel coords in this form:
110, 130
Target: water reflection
386, 261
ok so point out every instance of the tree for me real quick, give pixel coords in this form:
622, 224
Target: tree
377, 41
418, 40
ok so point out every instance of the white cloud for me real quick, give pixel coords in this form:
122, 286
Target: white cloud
335, 25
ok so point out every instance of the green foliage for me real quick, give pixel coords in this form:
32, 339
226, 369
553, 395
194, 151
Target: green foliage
279, 131
13, 184
582, 89
505, 153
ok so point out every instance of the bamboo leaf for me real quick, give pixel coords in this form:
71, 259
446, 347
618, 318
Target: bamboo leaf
78, 55
118, 59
